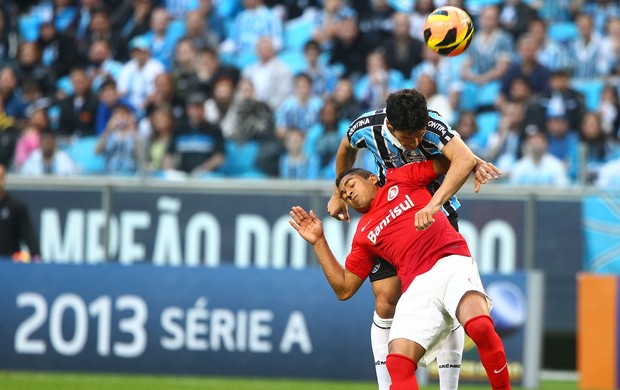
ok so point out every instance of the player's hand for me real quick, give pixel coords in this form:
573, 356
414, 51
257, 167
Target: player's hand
424, 218
337, 208
485, 172
308, 226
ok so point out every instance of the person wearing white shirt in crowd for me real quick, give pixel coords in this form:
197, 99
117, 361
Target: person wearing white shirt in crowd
609, 176
538, 167
137, 77
272, 80
48, 160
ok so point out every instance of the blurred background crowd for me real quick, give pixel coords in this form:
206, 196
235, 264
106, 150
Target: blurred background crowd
267, 88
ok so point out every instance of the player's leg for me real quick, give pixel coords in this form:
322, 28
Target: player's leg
473, 313
402, 362
449, 360
387, 289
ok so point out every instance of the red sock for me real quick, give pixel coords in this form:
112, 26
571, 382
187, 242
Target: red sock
402, 372
491, 350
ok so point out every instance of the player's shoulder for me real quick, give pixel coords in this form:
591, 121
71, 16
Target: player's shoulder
367, 120
436, 123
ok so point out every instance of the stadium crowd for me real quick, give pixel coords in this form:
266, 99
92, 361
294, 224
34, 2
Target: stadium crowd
267, 88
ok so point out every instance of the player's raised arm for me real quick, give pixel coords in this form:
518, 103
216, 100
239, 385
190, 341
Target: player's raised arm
345, 158
344, 283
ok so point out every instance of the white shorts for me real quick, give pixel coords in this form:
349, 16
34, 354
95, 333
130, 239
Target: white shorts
426, 312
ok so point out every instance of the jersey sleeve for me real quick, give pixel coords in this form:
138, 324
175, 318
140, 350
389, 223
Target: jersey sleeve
359, 261
361, 128
438, 132
421, 173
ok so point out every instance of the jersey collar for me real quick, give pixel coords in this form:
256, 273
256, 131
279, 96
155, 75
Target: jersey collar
390, 137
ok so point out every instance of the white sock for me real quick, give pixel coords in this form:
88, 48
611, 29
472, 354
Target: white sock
379, 338
449, 360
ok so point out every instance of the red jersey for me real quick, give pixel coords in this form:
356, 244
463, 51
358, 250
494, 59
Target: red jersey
388, 230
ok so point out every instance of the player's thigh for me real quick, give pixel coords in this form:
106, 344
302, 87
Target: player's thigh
473, 304
386, 287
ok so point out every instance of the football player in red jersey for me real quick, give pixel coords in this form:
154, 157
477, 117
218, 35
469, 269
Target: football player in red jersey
440, 281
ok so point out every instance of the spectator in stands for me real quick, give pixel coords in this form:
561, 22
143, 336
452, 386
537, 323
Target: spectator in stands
162, 125
327, 21
179, 9
183, 71
212, 19
30, 67
468, 130
109, 98
120, 143
376, 22
527, 66
596, 146
538, 166
58, 51
447, 77
421, 10
563, 141
609, 176
609, 109
586, 59
78, 111
323, 77
221, 108
256, 21
402, 51
348, 106
197, 147
323, 139
491, 51
272, 80
209, 68
299, 111
198, 32
378, 82
15, 225
610, 46
504, 145
101, 65
435, 100
63, 14
137, 78
601, 11
132, 19
9, 134
10, 93
165, 96
350, 49
550, 53
514, 16
48, 159
295, 163
563, 99
81, 23
100, 29
162, 37
8, 46
27, 143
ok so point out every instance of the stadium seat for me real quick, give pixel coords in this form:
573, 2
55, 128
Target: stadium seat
487, 123
562, 31
241, 160
294, 59
28, 26
297, 32
82, 151
591, 90
475, 96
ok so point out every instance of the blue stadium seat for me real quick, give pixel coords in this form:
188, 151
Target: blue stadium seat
294, 59
562, 31
487, 123
297, 32
241, 160
591, 90
28, 26
82, 151
475, 96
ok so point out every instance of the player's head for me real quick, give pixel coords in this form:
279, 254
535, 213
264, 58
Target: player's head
357, 188
407, 116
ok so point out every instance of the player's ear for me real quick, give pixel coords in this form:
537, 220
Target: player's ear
374, 179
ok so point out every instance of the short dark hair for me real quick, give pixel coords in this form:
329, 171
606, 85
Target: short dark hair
406, 110
353, 171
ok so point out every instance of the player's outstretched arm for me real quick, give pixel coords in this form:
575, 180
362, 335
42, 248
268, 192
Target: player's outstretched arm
345, 158
344, 283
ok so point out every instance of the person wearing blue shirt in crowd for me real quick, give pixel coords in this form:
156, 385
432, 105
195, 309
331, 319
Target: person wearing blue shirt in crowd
251, 24
299, 111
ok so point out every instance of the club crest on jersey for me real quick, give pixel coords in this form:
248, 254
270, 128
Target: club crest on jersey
392, 193
413, 156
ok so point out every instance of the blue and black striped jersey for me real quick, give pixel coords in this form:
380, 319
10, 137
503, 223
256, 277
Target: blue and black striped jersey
370, 131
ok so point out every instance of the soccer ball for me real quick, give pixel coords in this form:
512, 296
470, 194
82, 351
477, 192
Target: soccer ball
448, 31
